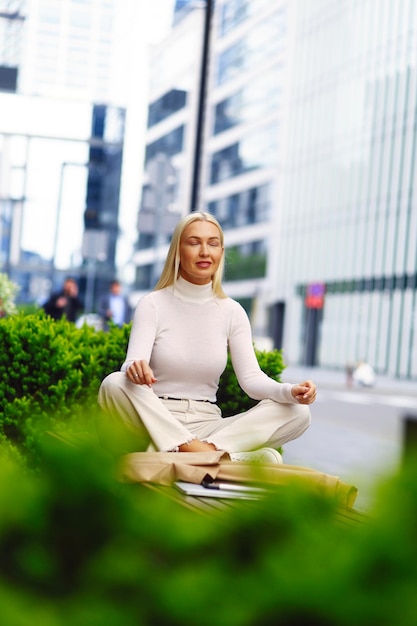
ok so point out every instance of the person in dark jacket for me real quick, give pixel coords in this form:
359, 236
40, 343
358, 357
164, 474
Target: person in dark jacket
64, 303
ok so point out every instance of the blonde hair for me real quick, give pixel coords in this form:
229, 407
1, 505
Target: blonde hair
171, 269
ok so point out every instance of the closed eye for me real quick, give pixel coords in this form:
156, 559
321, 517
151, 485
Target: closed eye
210, 242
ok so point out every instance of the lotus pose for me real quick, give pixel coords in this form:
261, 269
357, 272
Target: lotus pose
164, 397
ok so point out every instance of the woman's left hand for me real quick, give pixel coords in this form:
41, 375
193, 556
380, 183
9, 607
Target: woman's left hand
304, 393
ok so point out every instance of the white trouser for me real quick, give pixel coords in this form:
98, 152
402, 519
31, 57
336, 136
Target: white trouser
166, 424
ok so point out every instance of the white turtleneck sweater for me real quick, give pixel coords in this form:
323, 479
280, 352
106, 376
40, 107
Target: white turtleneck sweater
184, 332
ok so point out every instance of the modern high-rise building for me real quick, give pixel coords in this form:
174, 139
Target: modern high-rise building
62, 128
343, 272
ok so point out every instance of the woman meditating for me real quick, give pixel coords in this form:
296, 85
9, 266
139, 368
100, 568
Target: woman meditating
164, 397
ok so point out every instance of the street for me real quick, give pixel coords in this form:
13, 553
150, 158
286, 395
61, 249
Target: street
356, 433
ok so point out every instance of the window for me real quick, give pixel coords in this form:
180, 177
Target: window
260, 44
170, 144
250, 103
233, 13
254, 151
165, 106
248, 207
144, 277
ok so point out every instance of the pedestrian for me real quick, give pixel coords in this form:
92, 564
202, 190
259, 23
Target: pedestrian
165, 394
113, 307
66, 302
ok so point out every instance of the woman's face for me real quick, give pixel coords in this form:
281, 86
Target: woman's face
200, 252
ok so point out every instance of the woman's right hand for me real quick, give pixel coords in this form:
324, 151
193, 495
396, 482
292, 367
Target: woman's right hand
140, 373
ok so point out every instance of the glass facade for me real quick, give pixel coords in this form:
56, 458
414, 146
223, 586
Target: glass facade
256, 150
257, 46
250, 102
234, 12
166, 105
348, 215
169, 144
246, 207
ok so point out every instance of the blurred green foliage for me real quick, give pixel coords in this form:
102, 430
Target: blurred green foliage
76, 547
50, 373
244, 266
28, 309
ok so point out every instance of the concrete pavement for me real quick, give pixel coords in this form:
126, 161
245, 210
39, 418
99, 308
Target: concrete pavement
360, 454
337, 379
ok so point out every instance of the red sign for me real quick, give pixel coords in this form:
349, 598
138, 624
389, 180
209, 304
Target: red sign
315, 296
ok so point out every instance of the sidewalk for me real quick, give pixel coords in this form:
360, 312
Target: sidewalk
360, 451
336, 379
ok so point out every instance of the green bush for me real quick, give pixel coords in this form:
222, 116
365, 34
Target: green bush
50, 372
230, 396
76, 548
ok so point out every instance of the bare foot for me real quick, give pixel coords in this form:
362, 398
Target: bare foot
197, 446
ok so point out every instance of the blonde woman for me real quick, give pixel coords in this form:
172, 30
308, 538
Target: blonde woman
165, 394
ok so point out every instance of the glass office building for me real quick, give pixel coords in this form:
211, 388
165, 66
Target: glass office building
343, 272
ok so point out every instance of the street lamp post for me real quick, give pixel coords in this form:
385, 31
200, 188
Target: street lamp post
198, 147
